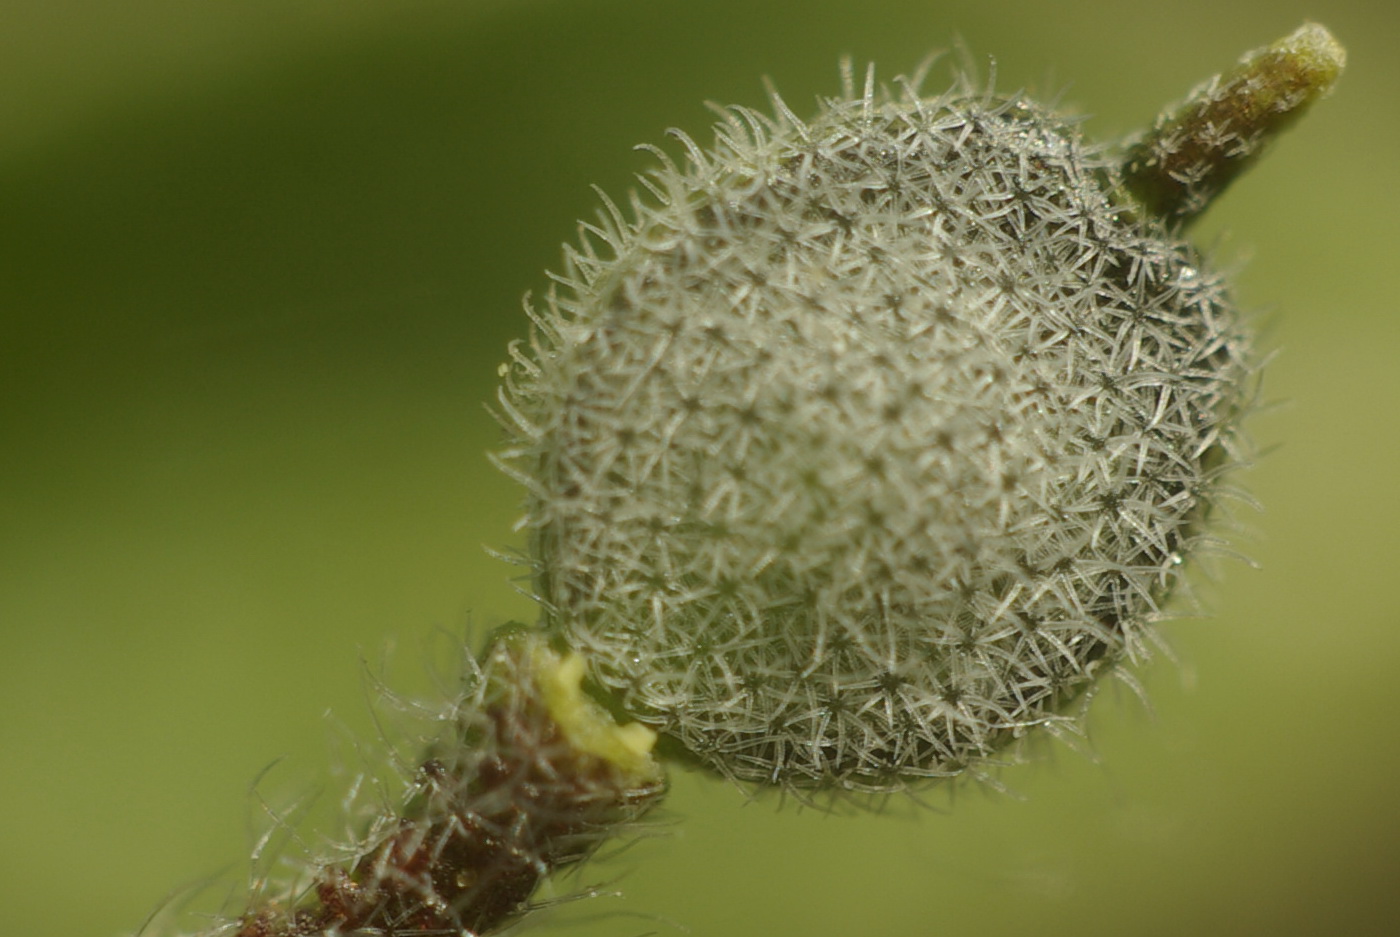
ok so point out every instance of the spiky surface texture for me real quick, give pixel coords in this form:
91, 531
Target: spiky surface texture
866, 443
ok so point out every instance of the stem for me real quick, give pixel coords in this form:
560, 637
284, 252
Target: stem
535, 778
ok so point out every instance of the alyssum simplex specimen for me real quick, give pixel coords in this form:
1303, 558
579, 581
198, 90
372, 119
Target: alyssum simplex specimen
859, 447
869, 441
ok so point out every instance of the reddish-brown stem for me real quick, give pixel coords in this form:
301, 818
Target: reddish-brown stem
520, 794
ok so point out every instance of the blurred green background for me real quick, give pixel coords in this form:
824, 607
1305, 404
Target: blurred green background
260, 261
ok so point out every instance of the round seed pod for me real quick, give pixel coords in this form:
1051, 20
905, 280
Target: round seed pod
863, 444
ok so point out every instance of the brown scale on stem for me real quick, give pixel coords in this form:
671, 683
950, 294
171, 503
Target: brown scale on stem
537, 778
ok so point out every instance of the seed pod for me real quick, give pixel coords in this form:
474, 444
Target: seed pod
864, 444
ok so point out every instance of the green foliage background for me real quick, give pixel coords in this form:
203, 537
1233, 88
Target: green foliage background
260, 261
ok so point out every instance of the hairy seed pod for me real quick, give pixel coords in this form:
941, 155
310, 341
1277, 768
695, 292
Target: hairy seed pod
864, 444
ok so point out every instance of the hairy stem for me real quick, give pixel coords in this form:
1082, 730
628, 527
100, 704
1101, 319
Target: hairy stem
534, 779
